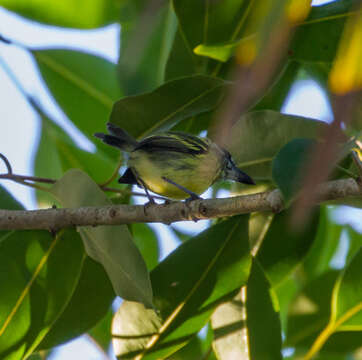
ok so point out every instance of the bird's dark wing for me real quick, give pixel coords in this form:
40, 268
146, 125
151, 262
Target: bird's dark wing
128, 178
174, 141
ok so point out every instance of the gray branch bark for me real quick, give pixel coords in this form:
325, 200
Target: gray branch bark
54, 219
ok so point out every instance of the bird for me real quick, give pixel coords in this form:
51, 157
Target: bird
175, 165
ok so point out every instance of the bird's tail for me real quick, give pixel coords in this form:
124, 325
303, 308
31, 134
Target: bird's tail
117, 138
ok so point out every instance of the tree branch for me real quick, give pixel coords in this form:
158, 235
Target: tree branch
54, 219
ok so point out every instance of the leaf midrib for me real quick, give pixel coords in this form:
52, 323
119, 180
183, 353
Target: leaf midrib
75, 79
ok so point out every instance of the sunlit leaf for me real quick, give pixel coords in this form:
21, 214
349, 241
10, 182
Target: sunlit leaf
218, 263
67, 13
37, 286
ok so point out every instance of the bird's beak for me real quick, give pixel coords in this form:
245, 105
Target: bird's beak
237, 175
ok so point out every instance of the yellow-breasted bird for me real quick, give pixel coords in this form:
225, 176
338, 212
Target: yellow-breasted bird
173, 164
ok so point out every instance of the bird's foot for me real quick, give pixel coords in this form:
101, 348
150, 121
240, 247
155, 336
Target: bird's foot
148, 204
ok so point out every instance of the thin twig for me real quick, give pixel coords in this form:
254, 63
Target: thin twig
7, 163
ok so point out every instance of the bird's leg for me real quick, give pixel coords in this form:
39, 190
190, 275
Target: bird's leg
193, 196
151, 200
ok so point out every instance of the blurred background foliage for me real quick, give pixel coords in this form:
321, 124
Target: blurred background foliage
247, 287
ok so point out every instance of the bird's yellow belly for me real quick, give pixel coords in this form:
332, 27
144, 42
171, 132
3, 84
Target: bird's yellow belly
152, 175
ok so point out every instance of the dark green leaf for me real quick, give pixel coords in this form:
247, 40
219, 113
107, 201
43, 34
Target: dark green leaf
84, 85
263, 323
101, 333
218, 263
68, 13
324, 246
288, 165
147, 243
166, 106
310, 42
9, 203
258, 136
89, 304
310, 311
112, 246
347, 297
355, 242
38, 286
283, 248
145, 44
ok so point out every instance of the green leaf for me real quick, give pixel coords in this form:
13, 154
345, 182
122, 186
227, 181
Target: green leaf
355, 242
248, 326
147, 243
283, 248
258, 136
167, 105
142, 61
203, 22
288, 165
347, 297
218, 263
90, 302
310, 43
58, 153
101, 333
84, 85
112, 246
7, 202
38, 286
67, 13
324, 246
310, 310
264, 331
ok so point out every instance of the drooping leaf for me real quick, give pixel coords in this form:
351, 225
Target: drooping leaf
84, 85
288, 165
282, 248
167, 105
258, 136
263, 322
218, 263
112, 246
35, 286
67, 13
89, 303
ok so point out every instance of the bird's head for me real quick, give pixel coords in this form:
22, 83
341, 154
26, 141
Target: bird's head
231, 172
